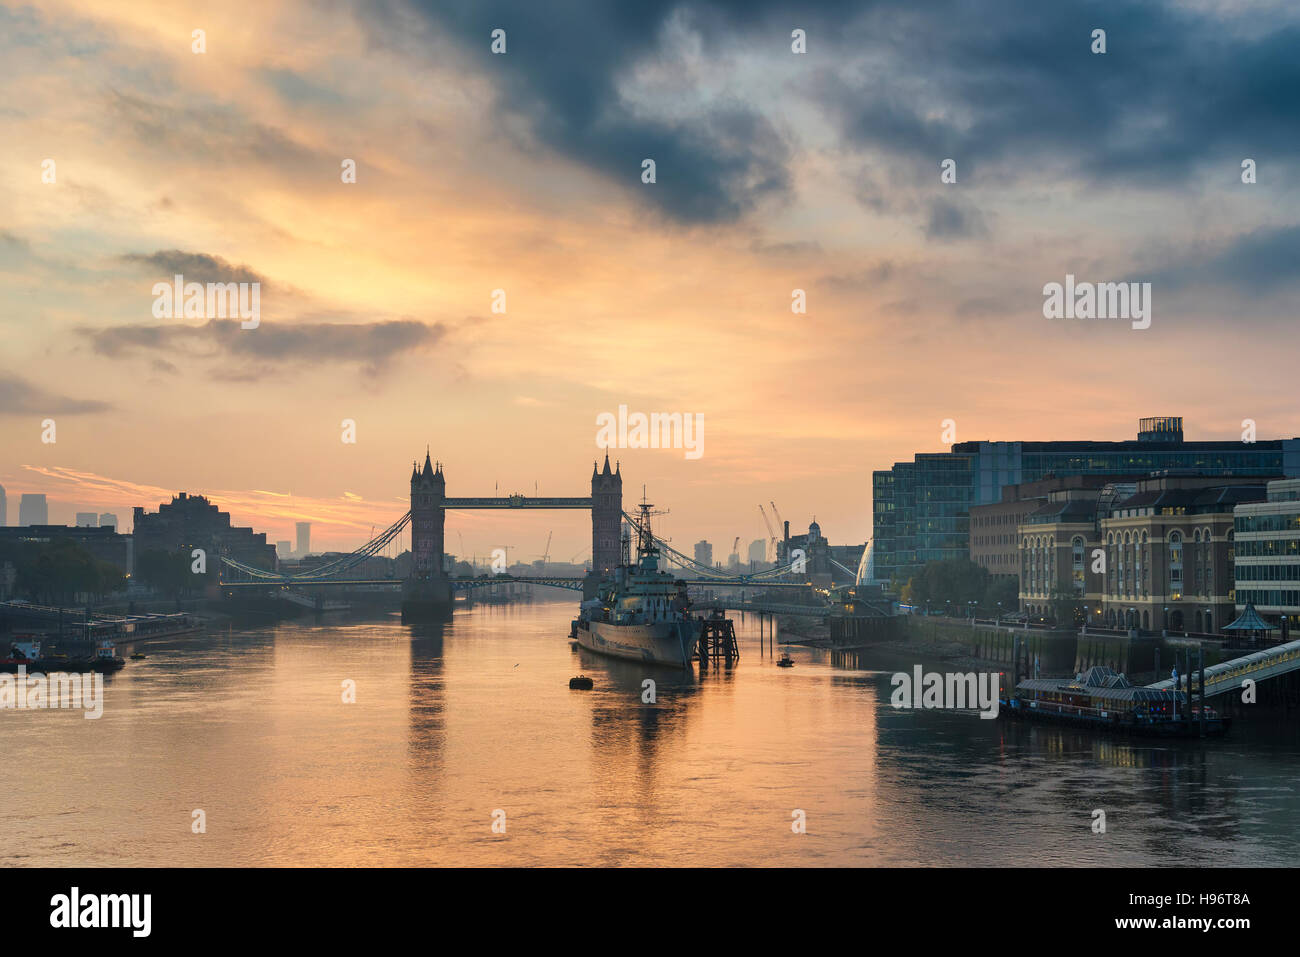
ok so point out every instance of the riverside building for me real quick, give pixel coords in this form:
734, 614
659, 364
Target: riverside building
921, 510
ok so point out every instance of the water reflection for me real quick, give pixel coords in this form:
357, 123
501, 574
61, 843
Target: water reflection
454, 721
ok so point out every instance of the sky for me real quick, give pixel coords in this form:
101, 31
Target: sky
522, 171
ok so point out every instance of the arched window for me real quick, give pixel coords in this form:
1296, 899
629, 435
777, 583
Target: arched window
1175, 565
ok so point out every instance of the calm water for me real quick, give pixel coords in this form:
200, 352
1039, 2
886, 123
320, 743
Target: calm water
453, 723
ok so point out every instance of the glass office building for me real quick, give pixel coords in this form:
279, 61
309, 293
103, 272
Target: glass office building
1267, 554
921, 509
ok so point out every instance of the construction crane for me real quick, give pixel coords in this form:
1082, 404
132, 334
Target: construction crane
547, 554
779, 521
771, 535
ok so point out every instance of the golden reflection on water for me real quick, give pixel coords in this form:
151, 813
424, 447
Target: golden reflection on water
454, 724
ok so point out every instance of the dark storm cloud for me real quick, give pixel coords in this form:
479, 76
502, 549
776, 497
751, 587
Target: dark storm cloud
1260, 262
20, 397
1004, 84
373, 344
1016, 81
561, 68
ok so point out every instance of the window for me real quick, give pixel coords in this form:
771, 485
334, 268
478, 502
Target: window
1175, 566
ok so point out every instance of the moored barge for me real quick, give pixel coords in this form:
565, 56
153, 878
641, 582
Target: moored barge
1101, 698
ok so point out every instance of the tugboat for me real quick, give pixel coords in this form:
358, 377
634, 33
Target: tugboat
642, 613
106, 658
21, 653
785, 661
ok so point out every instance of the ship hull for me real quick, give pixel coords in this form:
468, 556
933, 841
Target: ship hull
662, 643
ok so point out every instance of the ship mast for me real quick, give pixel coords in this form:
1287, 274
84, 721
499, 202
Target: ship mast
645, 543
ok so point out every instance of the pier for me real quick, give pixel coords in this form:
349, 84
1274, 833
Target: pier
717, 642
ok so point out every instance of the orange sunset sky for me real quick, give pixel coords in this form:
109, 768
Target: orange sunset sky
475, 172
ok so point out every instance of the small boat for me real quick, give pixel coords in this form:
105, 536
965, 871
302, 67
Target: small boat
21, 654
106, 658
581, 683
138, 657
785, 661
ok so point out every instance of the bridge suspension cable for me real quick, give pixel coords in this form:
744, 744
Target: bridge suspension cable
329, 569
706, 571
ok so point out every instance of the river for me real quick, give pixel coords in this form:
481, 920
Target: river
460, 727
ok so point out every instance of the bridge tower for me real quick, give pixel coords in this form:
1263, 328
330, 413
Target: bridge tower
427, 592
606, 518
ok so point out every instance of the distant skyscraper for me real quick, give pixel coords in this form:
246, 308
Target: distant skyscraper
87, 520
33, 509
758, 550
283, 549
704, 553
108, 520
4, 508
304, 537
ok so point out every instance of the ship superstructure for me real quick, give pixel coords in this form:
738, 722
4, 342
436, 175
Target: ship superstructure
641, 612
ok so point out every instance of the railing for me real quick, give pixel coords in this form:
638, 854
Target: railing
1279, 660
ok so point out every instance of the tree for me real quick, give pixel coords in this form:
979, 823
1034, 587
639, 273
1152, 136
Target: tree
168, 572
956, 583
1067, 607
56, 572
1004, 589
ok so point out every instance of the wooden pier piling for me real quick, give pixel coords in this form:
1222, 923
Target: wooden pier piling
717, 642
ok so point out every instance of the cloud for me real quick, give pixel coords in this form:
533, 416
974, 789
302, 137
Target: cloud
195, 267
1260, 262
348, 516
1017, 83
952, 220
20, 397
373, 344
220, 133
562, 71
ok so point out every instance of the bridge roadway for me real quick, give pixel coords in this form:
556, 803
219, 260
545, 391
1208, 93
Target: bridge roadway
1257, 666
574, 584
516, 501
766, 607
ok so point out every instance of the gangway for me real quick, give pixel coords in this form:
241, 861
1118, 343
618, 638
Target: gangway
1228, 675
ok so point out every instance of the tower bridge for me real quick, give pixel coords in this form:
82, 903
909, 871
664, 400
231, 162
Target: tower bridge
427, 592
